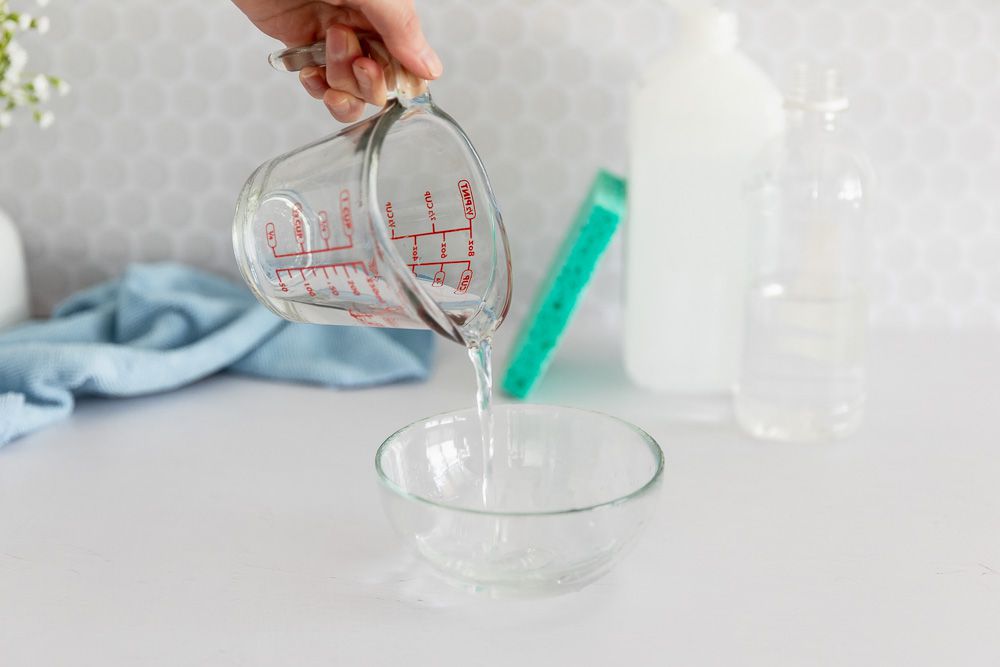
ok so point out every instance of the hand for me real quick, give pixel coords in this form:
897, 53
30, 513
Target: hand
349, 79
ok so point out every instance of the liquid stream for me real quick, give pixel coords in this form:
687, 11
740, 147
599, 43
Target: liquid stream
481, 353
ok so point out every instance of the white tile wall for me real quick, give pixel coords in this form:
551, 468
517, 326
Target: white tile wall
174, 104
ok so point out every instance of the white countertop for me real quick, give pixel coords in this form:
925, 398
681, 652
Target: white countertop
236, 522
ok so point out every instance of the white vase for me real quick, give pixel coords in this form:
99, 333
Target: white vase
13, 275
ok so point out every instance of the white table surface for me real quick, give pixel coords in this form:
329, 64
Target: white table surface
236, 522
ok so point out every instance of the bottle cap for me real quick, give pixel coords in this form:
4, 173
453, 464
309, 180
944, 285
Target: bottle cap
703, 24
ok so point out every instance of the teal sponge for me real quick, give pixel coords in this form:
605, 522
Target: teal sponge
593, 228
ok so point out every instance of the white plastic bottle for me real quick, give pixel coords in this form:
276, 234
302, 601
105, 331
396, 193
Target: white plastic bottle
699, 117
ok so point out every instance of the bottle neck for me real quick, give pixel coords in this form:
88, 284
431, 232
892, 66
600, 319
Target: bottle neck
809, 121
816, 100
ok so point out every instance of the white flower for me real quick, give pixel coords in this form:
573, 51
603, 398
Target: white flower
10, 79
18, 59
12, 76
17, 90
41, 86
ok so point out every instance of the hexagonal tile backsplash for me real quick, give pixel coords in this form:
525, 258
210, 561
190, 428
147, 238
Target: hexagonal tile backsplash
174, 104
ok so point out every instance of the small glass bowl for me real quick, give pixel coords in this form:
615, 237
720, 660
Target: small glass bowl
569, 491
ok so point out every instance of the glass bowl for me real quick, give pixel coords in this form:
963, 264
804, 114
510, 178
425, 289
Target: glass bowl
569, 491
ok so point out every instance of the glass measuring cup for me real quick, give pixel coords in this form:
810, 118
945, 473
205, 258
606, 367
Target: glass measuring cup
391, 222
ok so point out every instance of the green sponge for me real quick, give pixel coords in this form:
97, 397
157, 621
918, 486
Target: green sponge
595, 224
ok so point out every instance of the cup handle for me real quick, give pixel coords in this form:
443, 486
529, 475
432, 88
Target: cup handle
400, 83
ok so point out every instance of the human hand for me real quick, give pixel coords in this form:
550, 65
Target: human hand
349, 78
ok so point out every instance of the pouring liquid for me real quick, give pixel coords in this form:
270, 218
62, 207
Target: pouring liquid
476, 333
500, 558
481, 353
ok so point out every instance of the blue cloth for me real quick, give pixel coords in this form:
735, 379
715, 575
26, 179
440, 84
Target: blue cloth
163, 326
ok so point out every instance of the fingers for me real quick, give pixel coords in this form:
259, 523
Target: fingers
345, 107
342, 49
349, 79
371, 81
313, 79
397, 22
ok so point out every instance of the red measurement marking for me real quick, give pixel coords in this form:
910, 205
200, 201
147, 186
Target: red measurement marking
373, 286
390, 217
467, 263
429, 203
368, 319
472, 247
464, 282
359, 267
324, 227
377, 317
468, 201
415, 255
312, 252
354, 286
326, 274
345, 212
438, 279
299, 226
434, 233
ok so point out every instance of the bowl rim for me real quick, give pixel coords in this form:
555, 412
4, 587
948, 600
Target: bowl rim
642, 490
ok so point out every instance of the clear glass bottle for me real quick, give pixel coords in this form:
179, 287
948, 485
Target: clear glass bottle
803, 365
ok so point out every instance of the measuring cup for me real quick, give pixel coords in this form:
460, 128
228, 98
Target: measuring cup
391, 222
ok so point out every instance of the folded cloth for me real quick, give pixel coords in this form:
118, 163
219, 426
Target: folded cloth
163, 326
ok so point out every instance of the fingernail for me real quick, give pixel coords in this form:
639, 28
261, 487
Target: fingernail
314, 82
361, 74
341, 108
337, 41
432, 62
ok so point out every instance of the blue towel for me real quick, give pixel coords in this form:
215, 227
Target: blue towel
163, 326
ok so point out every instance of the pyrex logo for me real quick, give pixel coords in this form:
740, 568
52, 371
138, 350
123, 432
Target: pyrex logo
468, 202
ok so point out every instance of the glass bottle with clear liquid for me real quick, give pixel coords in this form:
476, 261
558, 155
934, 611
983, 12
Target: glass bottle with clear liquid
803, 366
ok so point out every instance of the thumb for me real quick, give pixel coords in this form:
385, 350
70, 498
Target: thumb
396, 21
